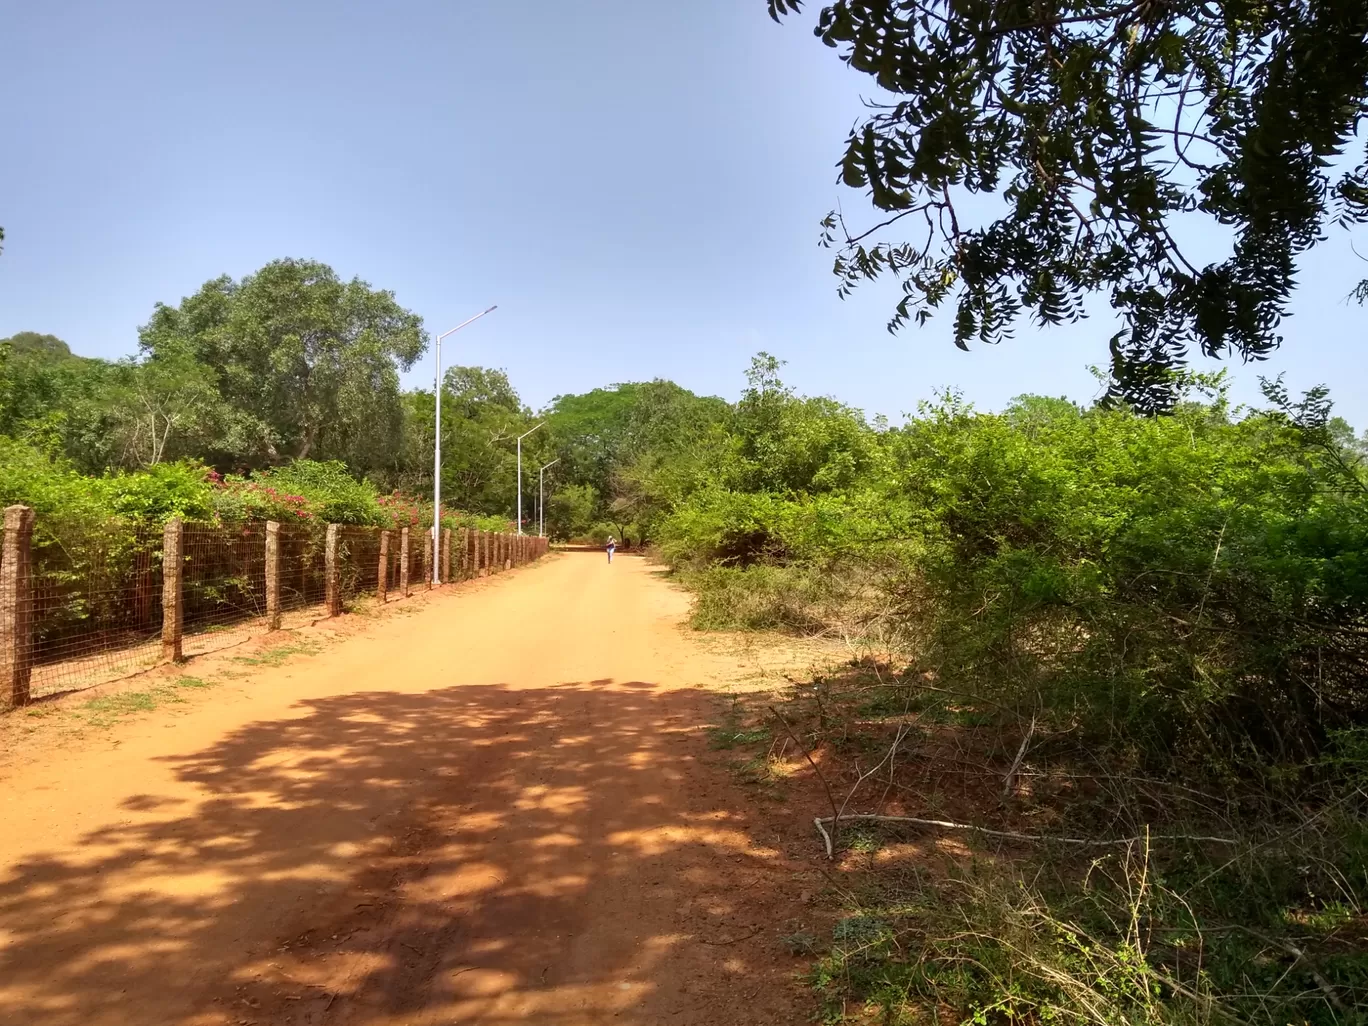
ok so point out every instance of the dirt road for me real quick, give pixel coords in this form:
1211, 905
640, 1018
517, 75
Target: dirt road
500, 809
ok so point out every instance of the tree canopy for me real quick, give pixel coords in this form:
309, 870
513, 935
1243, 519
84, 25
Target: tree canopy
611, 440
1108, 134
36, 346
309, 362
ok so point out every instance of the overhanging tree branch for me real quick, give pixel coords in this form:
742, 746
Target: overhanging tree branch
1038, 105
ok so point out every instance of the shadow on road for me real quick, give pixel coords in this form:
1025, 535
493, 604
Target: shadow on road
472, 854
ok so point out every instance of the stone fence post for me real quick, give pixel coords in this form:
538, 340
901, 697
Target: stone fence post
403, 562
446, 555
16, 607
332, 574
173, 593
382, 583
272, 575
427, 559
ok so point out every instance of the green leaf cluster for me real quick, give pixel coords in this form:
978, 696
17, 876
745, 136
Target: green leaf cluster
1107, 135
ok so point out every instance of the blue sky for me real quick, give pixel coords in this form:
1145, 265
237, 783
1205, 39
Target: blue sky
636, 184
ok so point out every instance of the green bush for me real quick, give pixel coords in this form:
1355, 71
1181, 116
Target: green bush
1193, 581
740, 529
30, 477
74, 510
159, 493
570, 511
1192, 578
762, 598
332, 495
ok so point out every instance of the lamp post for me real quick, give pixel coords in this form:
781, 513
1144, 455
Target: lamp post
520, 438
541, 497
437, 446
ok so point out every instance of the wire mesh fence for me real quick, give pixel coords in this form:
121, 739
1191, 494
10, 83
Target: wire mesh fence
416, 546
303, 577
392, 563
358, 557
95, 607
79, 609
223, 578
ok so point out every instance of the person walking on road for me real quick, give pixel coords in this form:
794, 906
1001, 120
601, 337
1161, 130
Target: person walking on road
611, 546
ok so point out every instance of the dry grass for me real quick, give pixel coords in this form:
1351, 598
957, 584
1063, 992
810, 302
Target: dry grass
1149, 926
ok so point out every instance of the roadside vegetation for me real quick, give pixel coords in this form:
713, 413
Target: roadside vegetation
278, 397
1100, 754
1102, 751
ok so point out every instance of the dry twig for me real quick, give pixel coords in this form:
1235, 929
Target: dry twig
1016, 763
835, 812
1011, 835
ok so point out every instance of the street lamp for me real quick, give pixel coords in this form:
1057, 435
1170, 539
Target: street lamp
437, 448
541, 497
520, 438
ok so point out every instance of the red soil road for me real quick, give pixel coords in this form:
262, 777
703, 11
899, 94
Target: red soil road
499, 809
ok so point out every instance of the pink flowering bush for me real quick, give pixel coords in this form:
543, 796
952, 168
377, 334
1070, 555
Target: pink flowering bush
308, 492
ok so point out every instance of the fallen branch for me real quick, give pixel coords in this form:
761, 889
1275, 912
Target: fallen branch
1011, 835
826, 837
862, 777
1299, 955
1016, 763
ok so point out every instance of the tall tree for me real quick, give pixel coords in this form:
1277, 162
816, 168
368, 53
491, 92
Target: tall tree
57, 400
571, 512
481, 416
168, 408
1106, 128
36, 346
313, 360
602, 431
